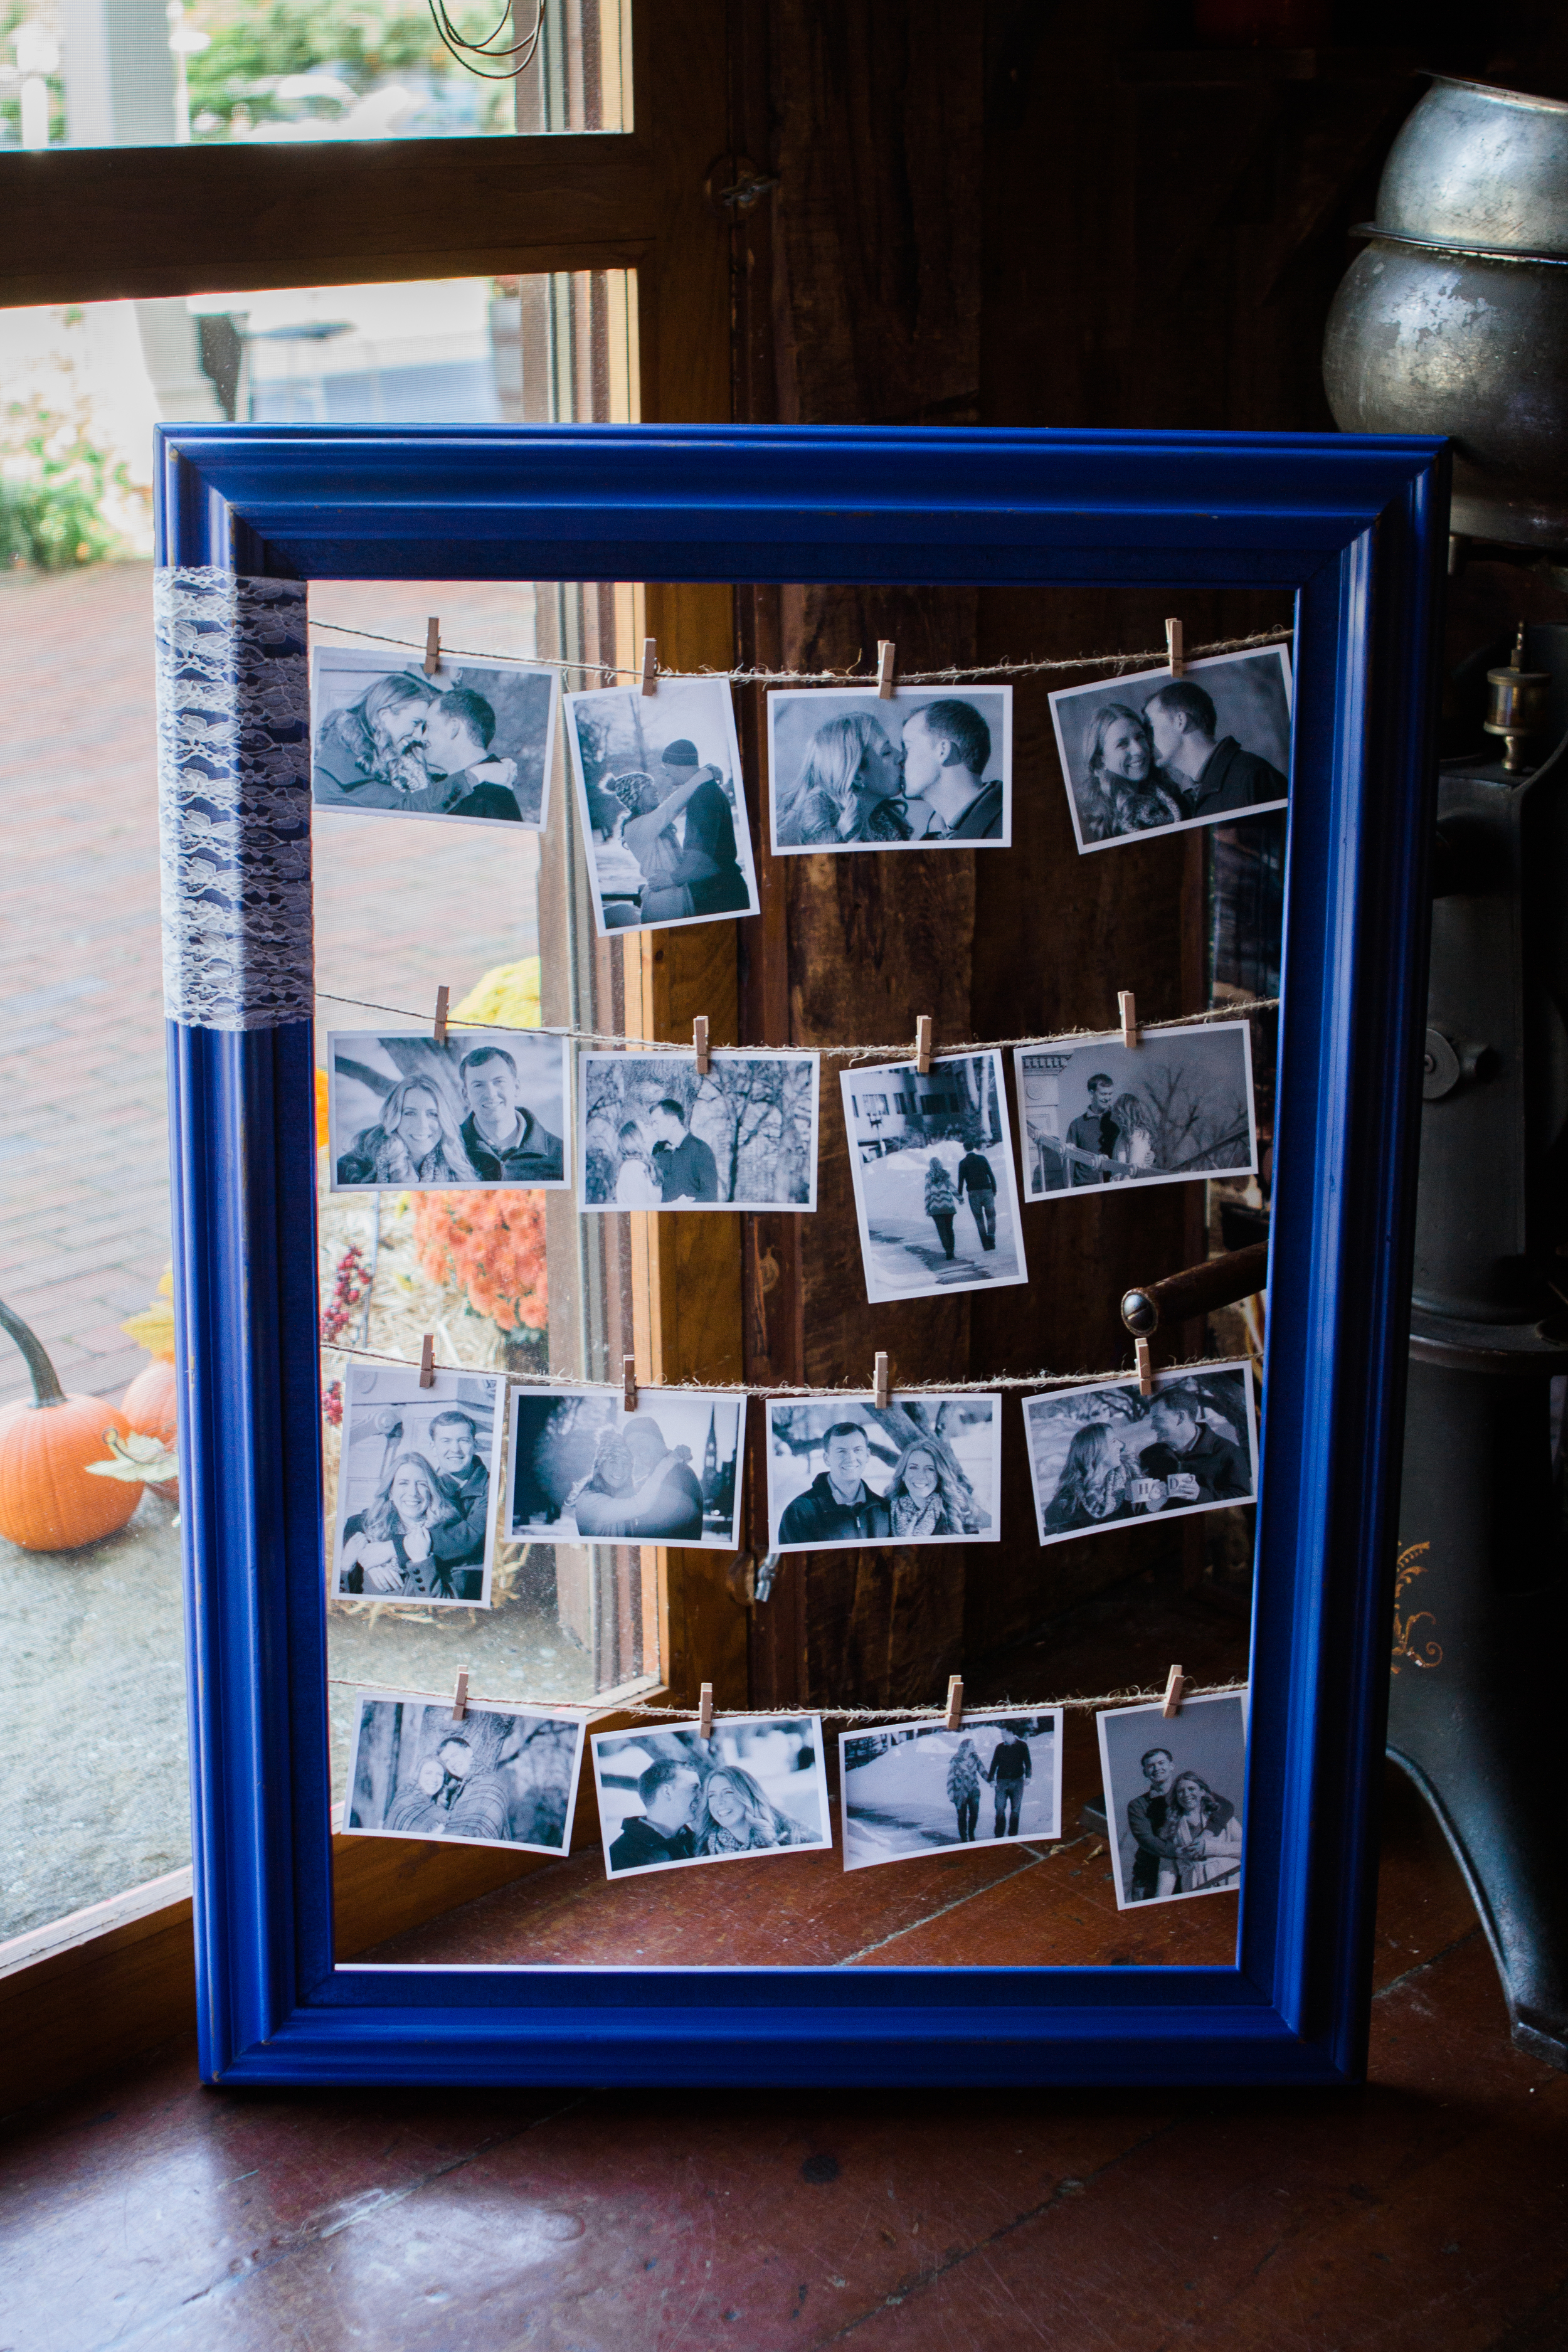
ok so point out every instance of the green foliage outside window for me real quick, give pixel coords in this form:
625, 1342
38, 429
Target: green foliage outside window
256, 43
53, 480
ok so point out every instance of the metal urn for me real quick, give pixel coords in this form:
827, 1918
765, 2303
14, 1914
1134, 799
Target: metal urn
1455, 320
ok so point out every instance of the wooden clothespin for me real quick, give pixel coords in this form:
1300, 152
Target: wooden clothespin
879, 1378
443, 998
1174, 648
700, 1042
460, 1695
705, 1712
629, 1382
885, 668
922, 1045
956, 1702
1127, 1005
428, 1361
432, 646
1145, 1369
650, 665
1175, 1684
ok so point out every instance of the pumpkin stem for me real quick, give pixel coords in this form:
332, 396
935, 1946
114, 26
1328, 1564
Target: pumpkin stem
47, 1389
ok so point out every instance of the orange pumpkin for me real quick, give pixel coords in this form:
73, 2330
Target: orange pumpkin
150, 1405
47, 1501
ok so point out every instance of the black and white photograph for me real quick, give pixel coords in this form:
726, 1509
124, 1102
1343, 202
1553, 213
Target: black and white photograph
1103, 1455
1176, 1795
1173, 1110
845, 1471
472, 744
1152, 753
910, 1788
498, 1775
488, 1108
930, 768
656, 1134
416, 1478
935, 1192
662, 803
585, 1470
669, 1799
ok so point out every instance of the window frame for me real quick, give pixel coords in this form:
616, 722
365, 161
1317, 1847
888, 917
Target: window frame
1356, 528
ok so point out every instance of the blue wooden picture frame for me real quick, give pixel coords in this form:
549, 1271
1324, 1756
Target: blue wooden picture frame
1355, 528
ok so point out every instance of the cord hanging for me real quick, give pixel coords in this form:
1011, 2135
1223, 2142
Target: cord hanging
465, 50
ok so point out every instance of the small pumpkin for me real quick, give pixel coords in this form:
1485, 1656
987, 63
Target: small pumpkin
151, 1408
47, 1501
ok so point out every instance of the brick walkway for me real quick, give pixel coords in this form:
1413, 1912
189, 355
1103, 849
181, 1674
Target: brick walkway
84, 1223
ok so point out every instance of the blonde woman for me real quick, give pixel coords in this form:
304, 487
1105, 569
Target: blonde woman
387, 1549
733, 1816
414, 1143
849, 789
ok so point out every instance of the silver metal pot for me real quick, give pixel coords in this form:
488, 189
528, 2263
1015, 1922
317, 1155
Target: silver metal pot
1455, 318
1478, 168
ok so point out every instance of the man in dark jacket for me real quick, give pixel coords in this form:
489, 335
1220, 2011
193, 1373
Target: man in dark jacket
707, 865
1094, 1130
463, 1479
505, 1143
947, 748
662, 1830
837, 1506
686, 1168
978, 1179
1212, 778
1009, 1768
1146, 1822
1195, 1463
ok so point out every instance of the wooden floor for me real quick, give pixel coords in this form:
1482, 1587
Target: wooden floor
1426, 2213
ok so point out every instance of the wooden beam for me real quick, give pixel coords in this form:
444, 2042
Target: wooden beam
98, 223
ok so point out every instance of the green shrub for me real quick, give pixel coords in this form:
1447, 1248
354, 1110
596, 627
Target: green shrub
52, 492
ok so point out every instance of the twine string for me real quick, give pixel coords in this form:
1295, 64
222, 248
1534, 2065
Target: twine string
903, 1051
1157, 658
779, 1389
836, 1713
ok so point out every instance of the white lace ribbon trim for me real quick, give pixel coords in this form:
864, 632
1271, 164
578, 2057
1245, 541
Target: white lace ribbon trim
234, 794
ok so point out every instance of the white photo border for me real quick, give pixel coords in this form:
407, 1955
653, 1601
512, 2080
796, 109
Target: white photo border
1169, 1510
1139, 1183
916, 697
456, 1031
567, 1712
352, 660
647, 1398
880, 1543
957, 1846
1155, 1710
859, 1074
447, 1379
824, 1845
718, 1053
1186, 824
